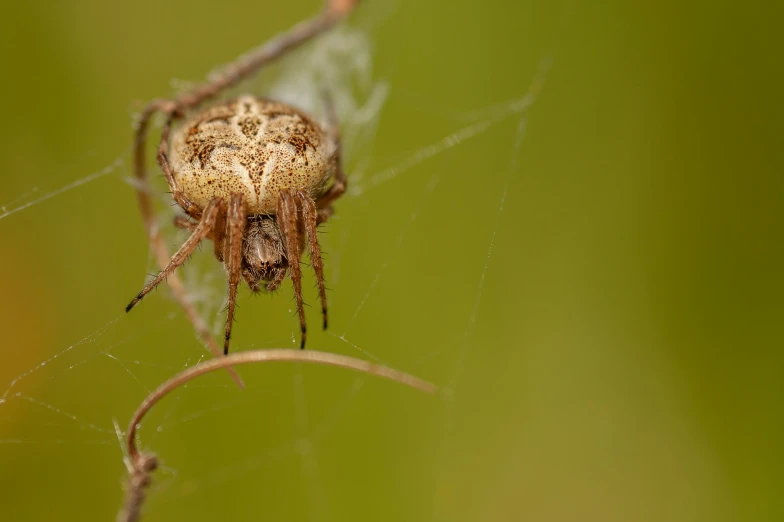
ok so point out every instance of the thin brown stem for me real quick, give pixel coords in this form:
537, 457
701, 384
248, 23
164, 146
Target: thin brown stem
267, 355
252, 61
136, 488
141, 465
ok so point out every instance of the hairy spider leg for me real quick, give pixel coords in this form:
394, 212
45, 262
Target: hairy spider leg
340, 183
287, 221
310, 219
201, 230
235, 230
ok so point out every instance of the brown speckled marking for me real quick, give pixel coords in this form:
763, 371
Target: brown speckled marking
250, 127
252, 146
300, 144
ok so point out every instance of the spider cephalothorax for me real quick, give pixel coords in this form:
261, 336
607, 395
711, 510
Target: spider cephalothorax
255, 176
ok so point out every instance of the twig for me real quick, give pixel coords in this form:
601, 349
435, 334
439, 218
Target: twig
140, 465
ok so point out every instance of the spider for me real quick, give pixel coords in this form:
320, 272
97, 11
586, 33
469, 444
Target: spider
252, 175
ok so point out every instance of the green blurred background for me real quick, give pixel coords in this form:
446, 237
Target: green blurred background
615, 355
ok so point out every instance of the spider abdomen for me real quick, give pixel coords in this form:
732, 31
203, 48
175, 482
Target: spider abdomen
250, 146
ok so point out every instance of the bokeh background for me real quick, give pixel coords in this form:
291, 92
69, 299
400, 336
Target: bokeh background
600, 296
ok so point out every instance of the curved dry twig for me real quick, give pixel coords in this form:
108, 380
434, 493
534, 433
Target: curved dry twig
141, 465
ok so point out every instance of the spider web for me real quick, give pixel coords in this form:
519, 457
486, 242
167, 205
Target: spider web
418, 259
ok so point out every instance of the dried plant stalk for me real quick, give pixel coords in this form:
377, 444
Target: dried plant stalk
140, 465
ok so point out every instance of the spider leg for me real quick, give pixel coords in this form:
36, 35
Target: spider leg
163, 160
142, 191
287, 221
199, 233
235, 223
219, 237
340, 183
338, 187
310, 218
184, 223
323, 214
